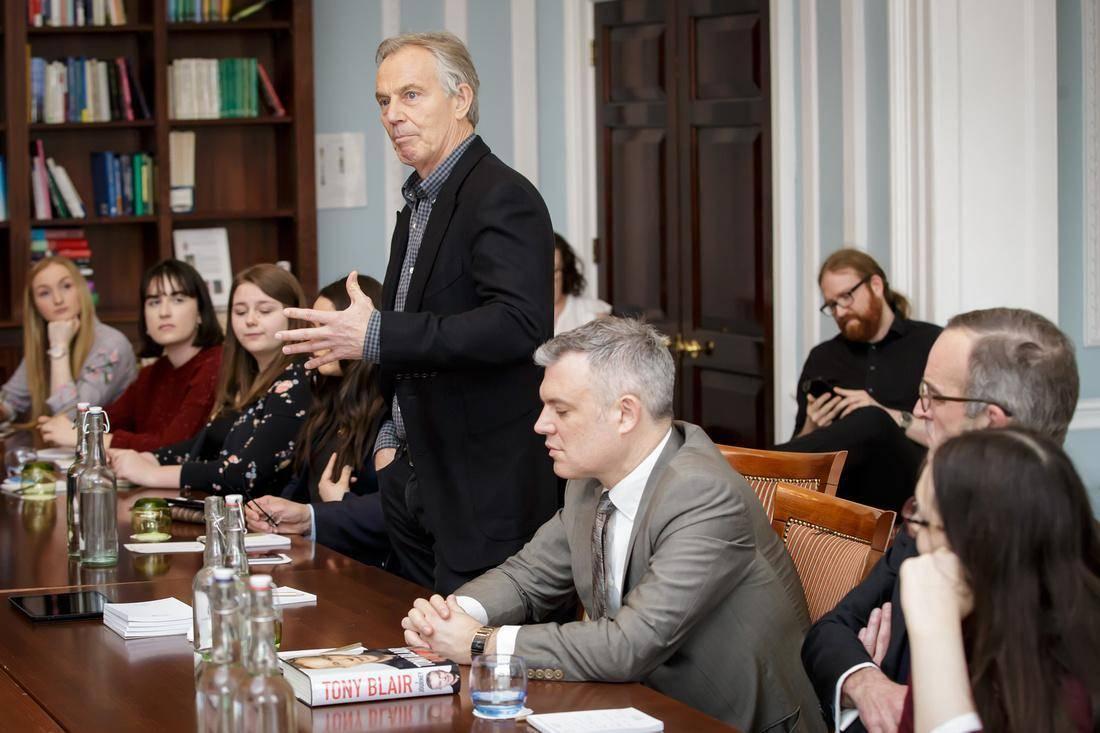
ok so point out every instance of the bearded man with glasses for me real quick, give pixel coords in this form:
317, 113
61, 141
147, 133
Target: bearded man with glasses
989, 368
857, 389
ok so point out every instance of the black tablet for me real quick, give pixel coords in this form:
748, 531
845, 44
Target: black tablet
61, 606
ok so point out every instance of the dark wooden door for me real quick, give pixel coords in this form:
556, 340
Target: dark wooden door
684, 144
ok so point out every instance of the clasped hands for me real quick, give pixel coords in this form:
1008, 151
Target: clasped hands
442, 626
338, 335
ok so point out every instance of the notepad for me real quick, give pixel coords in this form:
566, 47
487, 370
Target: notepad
617, 720
156, 548
287, 596
164, 617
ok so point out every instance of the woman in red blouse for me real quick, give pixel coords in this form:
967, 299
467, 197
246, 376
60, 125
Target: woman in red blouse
173, 397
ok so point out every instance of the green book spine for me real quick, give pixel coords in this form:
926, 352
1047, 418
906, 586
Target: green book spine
58, 201
139, 193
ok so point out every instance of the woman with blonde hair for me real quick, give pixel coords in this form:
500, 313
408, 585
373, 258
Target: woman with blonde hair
68, 355
263, 395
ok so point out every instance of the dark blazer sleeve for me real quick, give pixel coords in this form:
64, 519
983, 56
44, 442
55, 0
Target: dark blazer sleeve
353, 526
831, 647
511, 265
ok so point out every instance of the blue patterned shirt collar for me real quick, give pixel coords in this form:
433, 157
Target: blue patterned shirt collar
415, 189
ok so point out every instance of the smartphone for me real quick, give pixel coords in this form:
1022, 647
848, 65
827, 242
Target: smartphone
817, 386
269, 558
184, 503
61, 606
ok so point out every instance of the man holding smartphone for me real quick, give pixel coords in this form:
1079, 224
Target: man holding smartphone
875, 361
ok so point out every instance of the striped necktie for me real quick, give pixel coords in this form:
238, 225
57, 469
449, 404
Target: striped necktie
599, 570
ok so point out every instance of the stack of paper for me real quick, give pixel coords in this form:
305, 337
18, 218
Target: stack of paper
287, 596
165, 617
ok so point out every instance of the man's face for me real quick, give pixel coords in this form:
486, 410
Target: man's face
581, 435
859, 320
419, 116
947, 373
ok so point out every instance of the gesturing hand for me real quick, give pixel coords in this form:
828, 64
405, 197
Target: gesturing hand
333, 487
58, 430
875, 636
340, 334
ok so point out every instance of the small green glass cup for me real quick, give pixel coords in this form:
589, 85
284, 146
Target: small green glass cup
151, 520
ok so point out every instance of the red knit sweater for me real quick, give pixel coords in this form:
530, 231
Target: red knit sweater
165, 405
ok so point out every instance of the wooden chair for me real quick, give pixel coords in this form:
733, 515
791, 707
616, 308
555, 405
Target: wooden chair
834, 542
762, 468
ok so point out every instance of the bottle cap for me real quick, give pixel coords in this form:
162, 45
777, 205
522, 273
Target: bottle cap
259, 582
82, 406
223, 573
233, 500
95, 409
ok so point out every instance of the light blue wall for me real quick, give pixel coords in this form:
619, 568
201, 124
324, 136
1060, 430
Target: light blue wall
346, 34
551, 79
1083, 446
877, 38
830, 100
490, 40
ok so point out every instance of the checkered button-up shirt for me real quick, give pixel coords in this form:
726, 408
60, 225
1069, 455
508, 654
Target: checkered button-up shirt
419, 195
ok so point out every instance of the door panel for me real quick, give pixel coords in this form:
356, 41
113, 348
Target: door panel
684, 170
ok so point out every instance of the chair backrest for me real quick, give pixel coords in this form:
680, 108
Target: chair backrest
763, 468
833, 542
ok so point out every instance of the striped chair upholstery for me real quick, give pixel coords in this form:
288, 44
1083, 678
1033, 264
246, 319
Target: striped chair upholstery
833, 542
763, 468
764, 486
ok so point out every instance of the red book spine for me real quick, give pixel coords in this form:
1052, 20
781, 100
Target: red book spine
124, 83
269, 92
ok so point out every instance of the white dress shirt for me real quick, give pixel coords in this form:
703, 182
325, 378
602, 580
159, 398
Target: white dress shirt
625, 497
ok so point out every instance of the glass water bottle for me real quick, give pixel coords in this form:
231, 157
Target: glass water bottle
237, 559
265, 700
203, 584
221, 676
98, 498
72, 495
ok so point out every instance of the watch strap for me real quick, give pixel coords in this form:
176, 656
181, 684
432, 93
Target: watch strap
481, 638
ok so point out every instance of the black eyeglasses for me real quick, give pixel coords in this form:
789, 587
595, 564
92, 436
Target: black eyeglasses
927, 397
844, 300
911, 519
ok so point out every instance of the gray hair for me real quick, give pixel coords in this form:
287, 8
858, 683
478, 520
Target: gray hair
452, 59
1023, 362
626, 356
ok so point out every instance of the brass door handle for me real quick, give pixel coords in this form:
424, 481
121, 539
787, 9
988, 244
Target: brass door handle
692, 348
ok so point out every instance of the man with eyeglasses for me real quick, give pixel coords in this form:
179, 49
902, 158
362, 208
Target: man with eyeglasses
874, 362
989, 368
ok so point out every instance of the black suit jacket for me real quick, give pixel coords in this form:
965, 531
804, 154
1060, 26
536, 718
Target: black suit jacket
832, 648
459, 359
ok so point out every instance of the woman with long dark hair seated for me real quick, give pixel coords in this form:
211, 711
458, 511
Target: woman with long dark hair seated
334, 494
171, 398
263, 396
1002, 607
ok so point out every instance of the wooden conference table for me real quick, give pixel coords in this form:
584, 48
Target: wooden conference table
81, 676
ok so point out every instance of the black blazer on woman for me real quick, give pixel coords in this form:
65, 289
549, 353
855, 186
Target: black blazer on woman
459, 358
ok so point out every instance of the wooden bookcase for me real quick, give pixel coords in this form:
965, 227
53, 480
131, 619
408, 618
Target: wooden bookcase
253, 176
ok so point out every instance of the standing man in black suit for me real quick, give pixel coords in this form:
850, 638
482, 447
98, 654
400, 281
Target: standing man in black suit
988, 368
465, 480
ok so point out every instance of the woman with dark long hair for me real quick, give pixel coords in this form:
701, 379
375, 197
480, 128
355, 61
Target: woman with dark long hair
334, 493
262, 399
571, 307
1003, 605
172, 398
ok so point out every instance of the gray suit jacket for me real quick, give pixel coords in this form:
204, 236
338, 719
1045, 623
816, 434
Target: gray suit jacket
713, 612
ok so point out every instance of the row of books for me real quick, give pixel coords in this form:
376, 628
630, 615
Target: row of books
123, 183
69, 243
85, 90
219, 88
75, 12
51, 188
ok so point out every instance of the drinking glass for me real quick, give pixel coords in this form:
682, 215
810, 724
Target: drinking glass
498, 685
17, 457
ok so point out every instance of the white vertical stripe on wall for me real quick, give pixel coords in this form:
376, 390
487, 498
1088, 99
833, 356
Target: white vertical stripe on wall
582, 228
391, 26
455, 17
854, 85
811, 163
909, 214
1090, 15
786, 358
525, 98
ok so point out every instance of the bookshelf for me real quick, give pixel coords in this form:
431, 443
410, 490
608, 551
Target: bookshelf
254, 175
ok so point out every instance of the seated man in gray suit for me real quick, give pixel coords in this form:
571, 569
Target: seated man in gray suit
686, 586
